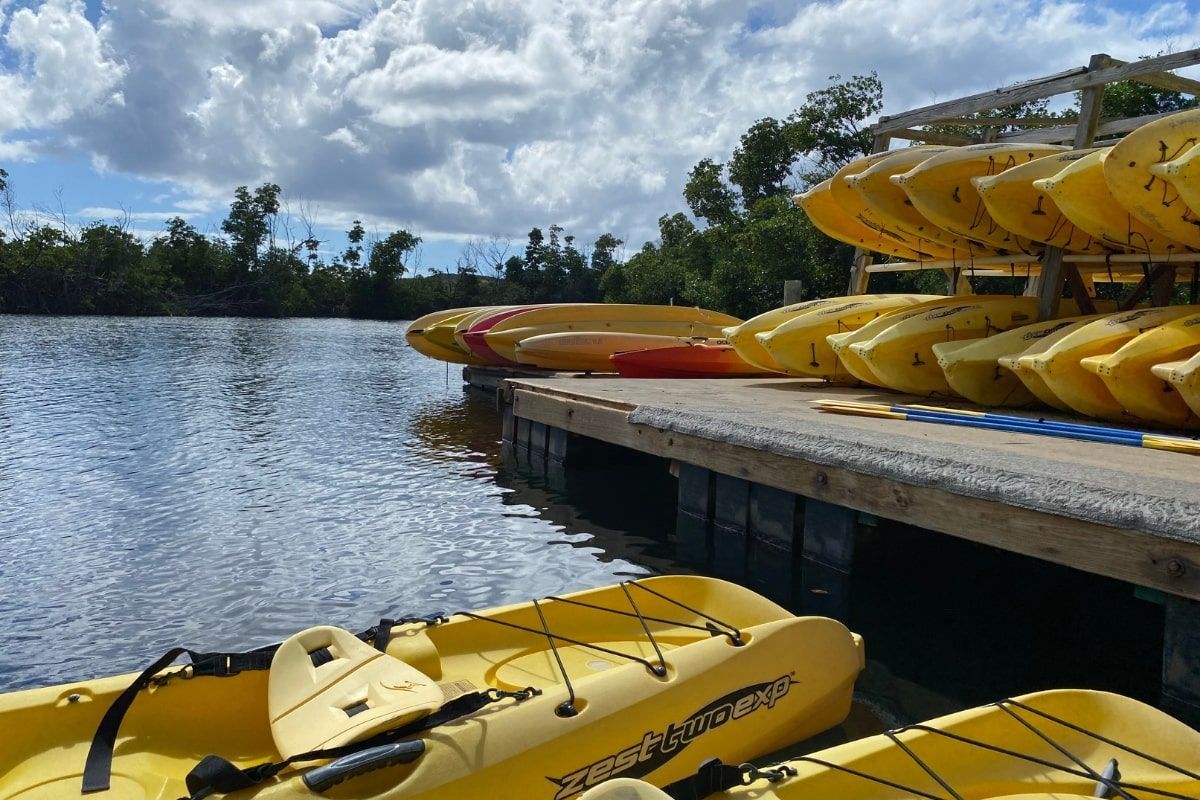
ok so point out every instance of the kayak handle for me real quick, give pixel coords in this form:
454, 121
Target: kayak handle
360, 763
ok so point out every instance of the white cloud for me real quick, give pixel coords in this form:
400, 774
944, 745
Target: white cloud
105, 213
492, 116
62, 66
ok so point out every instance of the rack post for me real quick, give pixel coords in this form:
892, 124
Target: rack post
1051, 283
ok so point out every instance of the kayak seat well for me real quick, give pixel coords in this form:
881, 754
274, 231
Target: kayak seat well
327, 688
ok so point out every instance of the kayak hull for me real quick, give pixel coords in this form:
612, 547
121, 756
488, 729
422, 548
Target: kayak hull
884, 768
791, 678
686, 361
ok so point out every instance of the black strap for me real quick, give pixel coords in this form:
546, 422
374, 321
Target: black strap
713, 777
381, 634
216, 775
98, 767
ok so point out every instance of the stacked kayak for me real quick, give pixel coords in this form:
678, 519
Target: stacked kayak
427, 335
1127, 366
800, 345
544, 699
1015, 199
686, 360
576, 337
588, 352
1053, 744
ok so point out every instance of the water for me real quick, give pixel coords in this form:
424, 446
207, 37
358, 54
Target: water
223, 483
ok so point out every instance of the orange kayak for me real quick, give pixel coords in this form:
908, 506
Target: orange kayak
685, 361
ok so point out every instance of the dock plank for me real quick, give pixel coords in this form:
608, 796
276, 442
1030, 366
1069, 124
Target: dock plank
1122, 512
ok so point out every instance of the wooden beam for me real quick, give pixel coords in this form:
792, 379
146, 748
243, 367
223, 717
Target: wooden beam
1152, 278
1162, 287
1138, 557
932, 137
1066, 133
859, 276
1069, 81
1168, 81
1032, 122
1050, 286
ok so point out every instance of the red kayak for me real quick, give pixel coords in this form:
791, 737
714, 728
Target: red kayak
686, 361
474, 337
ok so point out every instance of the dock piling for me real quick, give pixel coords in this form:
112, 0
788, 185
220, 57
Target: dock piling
828, 551
1181, 659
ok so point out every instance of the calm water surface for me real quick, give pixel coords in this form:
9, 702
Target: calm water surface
222, 483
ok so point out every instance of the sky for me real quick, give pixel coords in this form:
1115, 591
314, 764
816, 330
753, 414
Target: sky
470, 119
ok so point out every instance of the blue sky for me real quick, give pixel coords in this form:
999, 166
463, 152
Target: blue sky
461, 121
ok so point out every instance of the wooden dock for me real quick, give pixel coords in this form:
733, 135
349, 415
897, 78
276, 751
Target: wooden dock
739, 446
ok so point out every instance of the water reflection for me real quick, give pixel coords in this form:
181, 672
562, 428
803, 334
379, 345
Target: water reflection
220, 483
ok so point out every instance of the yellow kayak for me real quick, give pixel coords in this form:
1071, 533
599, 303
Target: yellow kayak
941, 189
852, 203
1084, 196
435, 345
592, 317
1080, 388
799, 345
1128, 376
744, 337
972, 366
1014, 203
837, 223
1183, 174
850, 362
534, 700
888, 202
1031, 379
901, 356
588, 352
1151, 199
1184, 378
1067, 743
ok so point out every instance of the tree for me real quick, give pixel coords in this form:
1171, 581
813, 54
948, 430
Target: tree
830, 127
3, 193
353, 254
763, 161
707, 195
250, 221
1134, 99
387, 257
604, 252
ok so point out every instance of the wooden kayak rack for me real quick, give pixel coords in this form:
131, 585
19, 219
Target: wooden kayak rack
1047, 274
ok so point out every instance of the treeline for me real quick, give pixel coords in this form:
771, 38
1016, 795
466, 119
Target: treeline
744, 237
259, 267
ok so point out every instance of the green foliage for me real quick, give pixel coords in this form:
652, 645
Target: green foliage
1134, 99
762, 162
387, 257
831, 125
990, 123
251, 220
707, 195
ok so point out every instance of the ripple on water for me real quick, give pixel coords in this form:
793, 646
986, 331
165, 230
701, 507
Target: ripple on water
220, 483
